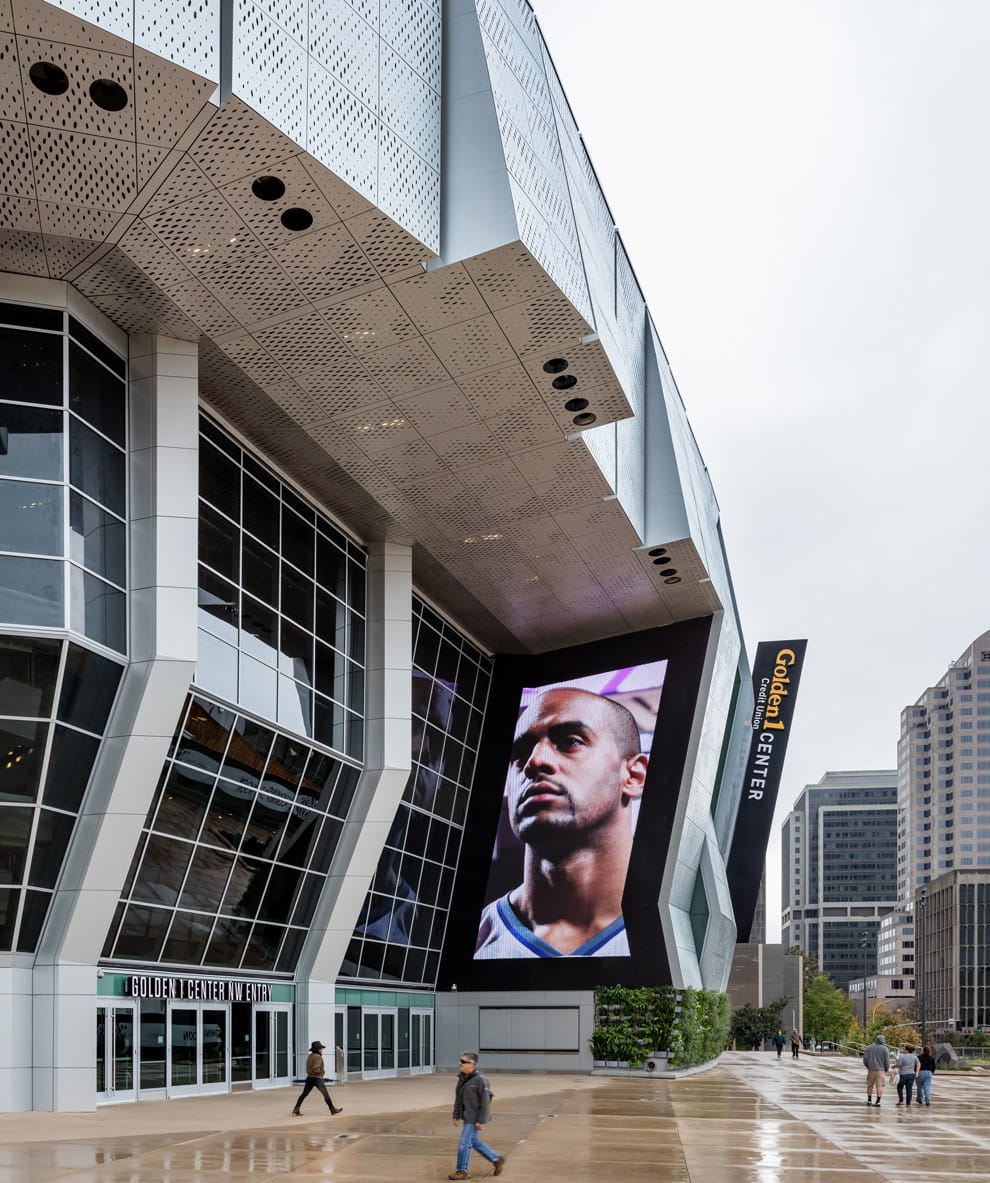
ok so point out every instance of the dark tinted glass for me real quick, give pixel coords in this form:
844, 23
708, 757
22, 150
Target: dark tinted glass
97, 540
227, 944
261, 512
22, 751
280, 893
96, 467
298, 540
32, 920
204, 735
227, 814
296, 653
219, 543
162, 870
183, 802
248, 752
35, 318
88, 689
31, 592
29, 668
220, 481
263, 946
326, 844
96, 394
50, 844
217, 601
207, 880
98, 610
301, 829
331, 567
355, 638
328, 719
31, 366
260, 473
32, 442
31, 518
97, 347
344, 792
259, 630
142, 932
15, 833
263, 831
426, 648
218, 437
297, 597
260, 567
8, 916
291, 948
357, 580
69, 767
306, 901
330, 674
246, 887
187, 938
285, 766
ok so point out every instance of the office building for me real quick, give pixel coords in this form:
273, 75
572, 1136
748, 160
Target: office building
953, 920
330, 400
839, 855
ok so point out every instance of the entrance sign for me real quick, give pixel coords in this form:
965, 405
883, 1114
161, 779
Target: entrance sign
206, 989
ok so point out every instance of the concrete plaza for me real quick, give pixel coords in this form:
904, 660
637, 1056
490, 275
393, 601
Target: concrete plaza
751, 1119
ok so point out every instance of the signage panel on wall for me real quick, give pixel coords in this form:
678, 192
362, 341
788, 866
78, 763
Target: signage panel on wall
566, 843
776, 674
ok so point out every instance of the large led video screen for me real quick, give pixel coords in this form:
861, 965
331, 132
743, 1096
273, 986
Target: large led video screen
581, 766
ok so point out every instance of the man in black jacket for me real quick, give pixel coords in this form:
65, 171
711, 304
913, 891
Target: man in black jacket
472, 1106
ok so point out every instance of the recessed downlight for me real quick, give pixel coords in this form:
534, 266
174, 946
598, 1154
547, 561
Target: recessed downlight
49, 78
575, 404
565, 382
660, 562
268, 188
297, 219
657, 550
556, 365
673, 579
108, 94
585, 419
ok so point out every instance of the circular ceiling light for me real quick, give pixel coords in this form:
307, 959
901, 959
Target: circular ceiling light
575, 404
556, 365
297, 219
108, 94
660, 562
49, 78
673, 579
268, 188
657, 550
585, 419
565, 382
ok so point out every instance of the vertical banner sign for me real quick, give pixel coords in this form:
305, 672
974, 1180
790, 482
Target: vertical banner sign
776, 673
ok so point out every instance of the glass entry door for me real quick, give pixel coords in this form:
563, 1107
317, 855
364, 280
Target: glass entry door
272, 1046
420, 1040
198, 1048
116, 1053
378, 1056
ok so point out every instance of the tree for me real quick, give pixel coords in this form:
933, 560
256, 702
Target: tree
752, 1025
828, 1013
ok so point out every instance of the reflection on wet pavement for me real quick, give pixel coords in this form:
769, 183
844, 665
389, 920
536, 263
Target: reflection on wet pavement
754, 1119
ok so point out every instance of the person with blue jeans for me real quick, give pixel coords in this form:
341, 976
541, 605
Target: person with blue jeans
472, 1106
925, 1074
907, 1067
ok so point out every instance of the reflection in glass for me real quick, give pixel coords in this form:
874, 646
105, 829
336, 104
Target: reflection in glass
259, 630
8, 914
262, 948
183, 802
187, 938
277, 901
216, 665
15, 833
96, 467
298, 540
218, 610
214, 1046
31, 518
29, 667
204, 737
258, 687
218, 546
142, 932
31, 592
227, 815
261, 510
184, 1038
265, 825
207, 880
227, 943
298, 837
99, 611
248, 752
152, 1043
32, 919
96, 394
295, 706
162, 870
259, 566
219, 481
22, 753
297, 597
97, 539
51, 841
246, 887
33, 442
31, 366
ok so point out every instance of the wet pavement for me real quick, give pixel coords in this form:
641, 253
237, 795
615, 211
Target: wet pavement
752, 1119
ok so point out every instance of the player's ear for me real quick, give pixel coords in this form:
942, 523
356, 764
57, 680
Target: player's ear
635, 778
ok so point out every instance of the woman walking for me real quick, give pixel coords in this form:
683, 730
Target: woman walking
925, 1074
907, 1070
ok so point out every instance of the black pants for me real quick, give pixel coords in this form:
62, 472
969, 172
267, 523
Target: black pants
795, 1048
905, 1083
780, 1048
314, 1082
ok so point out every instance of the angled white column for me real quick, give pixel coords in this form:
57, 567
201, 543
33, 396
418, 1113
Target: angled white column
387, 755
163, 468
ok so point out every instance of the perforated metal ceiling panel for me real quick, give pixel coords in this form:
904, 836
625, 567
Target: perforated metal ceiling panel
424, 403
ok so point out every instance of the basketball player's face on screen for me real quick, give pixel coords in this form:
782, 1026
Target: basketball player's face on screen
566, 775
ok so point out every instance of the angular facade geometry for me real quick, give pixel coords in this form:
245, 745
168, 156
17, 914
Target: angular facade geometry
329, 397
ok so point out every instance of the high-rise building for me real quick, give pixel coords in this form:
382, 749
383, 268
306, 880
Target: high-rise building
335, 433
953, 921
839, 856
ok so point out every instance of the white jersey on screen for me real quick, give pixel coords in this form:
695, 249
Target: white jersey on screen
502, 935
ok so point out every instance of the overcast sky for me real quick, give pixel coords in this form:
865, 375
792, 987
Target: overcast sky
804, 189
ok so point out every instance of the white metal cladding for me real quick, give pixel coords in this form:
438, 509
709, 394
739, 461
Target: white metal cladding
186, 32
269, 70
113, 16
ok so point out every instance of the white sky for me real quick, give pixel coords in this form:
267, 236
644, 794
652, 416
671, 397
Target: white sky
803, 187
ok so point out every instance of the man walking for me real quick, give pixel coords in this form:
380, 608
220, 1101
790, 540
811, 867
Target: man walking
472, 1105
778, 1041
315, 1072
877, 1060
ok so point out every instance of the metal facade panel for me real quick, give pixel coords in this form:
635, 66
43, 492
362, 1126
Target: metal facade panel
408, 189
342, 132
269, 70
186, 32
113, 16
347, 46
413, 29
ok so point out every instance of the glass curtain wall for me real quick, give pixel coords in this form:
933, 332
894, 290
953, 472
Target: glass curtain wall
55, 699
235, 848
401, 928
63, 477
281, 601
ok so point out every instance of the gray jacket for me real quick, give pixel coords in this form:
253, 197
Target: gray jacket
877, 1057
472, 1098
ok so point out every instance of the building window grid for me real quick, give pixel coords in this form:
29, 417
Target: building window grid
400, 932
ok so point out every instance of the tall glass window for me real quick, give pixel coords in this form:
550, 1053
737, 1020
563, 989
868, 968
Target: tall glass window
281, 601
235, 848
55, 699
63, 477
400, 932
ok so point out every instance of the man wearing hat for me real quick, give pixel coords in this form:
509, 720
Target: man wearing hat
315, 1072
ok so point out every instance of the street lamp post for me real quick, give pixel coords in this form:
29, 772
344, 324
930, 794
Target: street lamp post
920, 968
864, 944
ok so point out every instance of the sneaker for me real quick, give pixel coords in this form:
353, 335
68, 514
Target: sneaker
459, 1175
900, 1102
499, 1165
928, 1102
877, 1101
